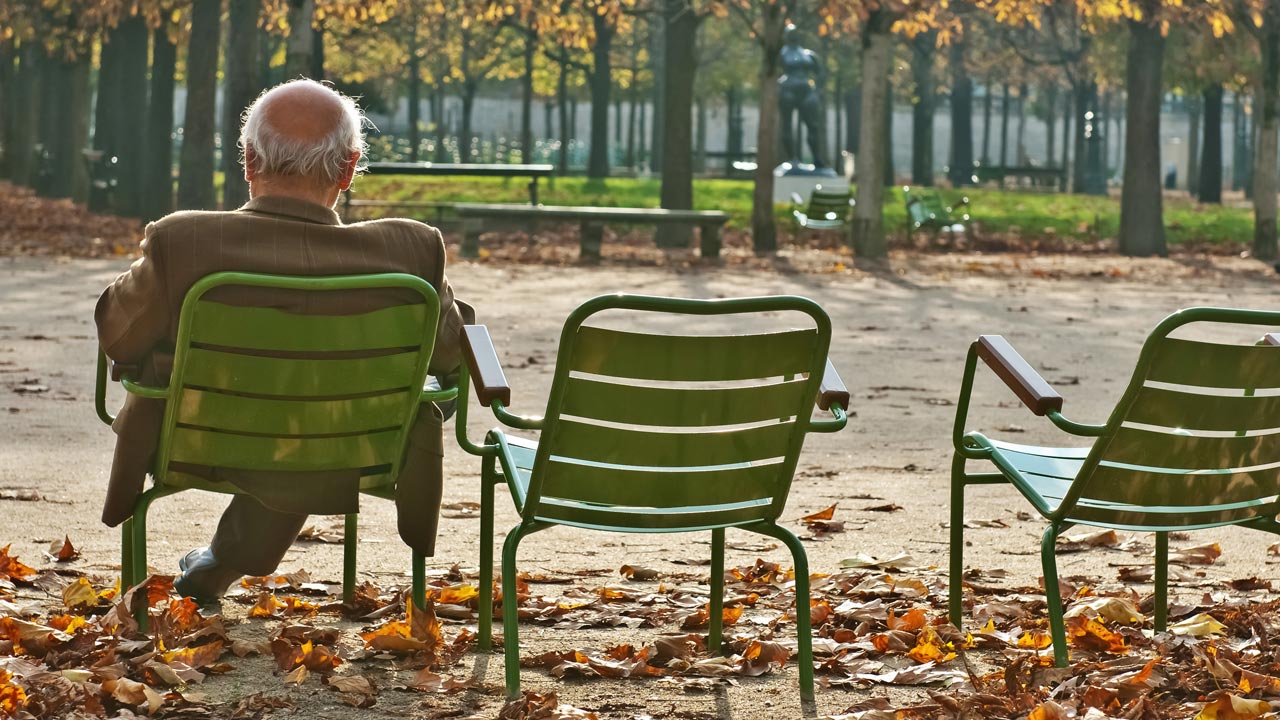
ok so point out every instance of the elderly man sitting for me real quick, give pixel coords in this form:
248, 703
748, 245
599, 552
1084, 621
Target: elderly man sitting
302, 144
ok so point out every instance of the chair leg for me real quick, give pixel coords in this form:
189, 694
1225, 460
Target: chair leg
804, 631
350, 530
1053, 595
485, 630
955, 582
127, 579
715, 619
139, 542
510, 608
419, 580
1162, 581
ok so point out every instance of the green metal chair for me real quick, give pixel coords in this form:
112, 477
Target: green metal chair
927, 211
1190, 445
257, 388
657, 433
826, 209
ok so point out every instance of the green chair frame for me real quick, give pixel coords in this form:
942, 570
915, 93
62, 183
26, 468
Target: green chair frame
826, 209
1175, 455
589, 471
926, 210
283, 405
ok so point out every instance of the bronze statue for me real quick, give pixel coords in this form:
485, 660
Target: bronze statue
802, 75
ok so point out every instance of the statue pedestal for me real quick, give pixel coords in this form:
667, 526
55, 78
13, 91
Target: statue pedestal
802, 179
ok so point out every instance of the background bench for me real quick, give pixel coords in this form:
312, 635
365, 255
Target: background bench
533, 172
591, 220
1035, 175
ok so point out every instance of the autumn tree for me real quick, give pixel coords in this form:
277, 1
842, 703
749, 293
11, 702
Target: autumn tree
196, 165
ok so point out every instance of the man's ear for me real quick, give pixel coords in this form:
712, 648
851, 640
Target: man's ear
250, 164
349, 171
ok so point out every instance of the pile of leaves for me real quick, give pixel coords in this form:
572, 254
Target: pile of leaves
34, 225
876, 622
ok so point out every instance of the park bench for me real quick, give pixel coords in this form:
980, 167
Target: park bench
533, 172
1036, 176
1190, 445
826, 210
926, 210
592, 221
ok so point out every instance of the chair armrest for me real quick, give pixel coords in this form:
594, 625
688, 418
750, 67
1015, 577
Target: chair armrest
482, 360
1271, 339
120, 371
1032, 389
832, 390
796, 200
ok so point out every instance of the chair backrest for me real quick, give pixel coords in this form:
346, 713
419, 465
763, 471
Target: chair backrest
828, 204
1195, 440
258, 388
924, 207
656, 431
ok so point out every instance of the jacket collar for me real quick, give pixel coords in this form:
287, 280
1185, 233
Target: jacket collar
292, 208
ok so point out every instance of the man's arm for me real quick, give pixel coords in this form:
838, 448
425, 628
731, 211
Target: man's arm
133, 313
453, 315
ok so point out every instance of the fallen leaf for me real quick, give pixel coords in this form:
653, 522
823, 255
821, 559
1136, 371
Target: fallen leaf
1233, 707
63, 551
1201, 625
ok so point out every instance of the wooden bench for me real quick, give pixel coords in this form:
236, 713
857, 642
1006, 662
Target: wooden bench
534, 172
592, 221
1036, 176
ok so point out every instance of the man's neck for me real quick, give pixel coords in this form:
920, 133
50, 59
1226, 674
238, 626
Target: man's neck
325, 197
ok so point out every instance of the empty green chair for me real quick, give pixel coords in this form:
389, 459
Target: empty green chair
927, 211
826, 209
654, 433
257, 388
1190, 445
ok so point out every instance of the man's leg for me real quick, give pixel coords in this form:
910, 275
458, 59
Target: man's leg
421, 482
251, 540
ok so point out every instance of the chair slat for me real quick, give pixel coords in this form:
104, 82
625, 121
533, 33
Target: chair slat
257, 375
252, 452
638, 520
270, 329
271, 416
692, 357
1133, 446
1192, 411
1168, 518
629, 486
1204, 364
619, 446
1192, 491
683, 407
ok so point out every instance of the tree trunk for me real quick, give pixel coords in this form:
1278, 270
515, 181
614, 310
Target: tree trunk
69, 128
923, 48
562, 106
1267, 121
26, 114
853, 110
680, 39
1141, 202
1069, 111
240, 87
1193, 144
526, 99
1086, 100
297, 57
133, 39
414, 92
8, 58
465, 141
195, 174
601, 81
157, 156
1021, 144
986, 124
1239, 140
889, 174
317, 54
1210, 184
961, 118
629, 159
1050, 122
764, 231
700, 137
658, 62
868, 225
1004, 125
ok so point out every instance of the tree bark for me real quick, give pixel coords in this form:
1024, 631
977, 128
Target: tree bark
157, 156
8, 59
1086, 101
923, 48
133, 39
700, 137
317, 54
764, 231
1020, 145
301, 43
526, 99
1193, 144
1267, 121
629, 159
961, 118
1004, 125
1239, 141
868, 225
1068, 102
69, 128
1141, 202
195, 174
465, 140
240, 87
562, 107
986, 124
601, 81
680, 39
658, 60
26, 114
1210, 184
889, 174
1050, 122
853, 110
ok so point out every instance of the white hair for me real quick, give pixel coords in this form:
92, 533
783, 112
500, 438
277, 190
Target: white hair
325, 158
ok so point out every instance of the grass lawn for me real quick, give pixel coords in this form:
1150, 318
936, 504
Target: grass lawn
1030, 215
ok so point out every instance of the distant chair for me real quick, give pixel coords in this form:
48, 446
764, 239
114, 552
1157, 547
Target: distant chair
926, 211
826, 209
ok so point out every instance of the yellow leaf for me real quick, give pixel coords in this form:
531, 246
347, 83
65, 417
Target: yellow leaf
1233, 707
1198, 626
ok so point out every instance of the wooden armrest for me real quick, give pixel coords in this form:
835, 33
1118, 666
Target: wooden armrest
122, 370
1026, 383
1271, 339
482, 360
832, 390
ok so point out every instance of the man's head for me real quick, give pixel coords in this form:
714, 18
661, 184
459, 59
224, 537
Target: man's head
302, 139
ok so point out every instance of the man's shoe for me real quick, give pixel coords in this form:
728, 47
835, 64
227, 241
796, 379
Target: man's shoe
203, 579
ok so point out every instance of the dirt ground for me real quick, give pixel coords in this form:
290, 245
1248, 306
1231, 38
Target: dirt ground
900, 338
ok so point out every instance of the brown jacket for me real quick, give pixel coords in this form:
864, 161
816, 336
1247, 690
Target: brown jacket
137, 318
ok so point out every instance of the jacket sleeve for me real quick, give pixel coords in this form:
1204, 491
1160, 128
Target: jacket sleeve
447, 356
132, 313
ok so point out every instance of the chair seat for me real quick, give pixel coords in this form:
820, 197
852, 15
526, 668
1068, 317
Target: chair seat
810, 223
1048, 471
